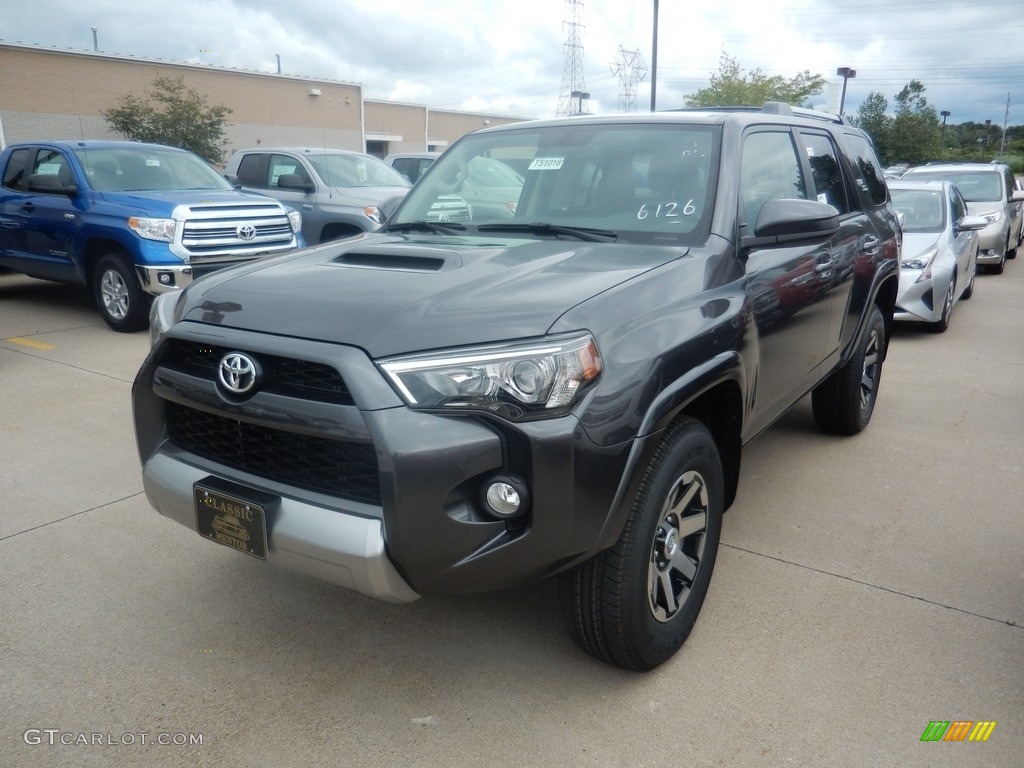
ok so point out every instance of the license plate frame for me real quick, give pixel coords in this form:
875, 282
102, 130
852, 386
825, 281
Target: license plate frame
231, 519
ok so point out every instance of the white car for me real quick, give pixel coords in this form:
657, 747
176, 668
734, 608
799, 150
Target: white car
940, 250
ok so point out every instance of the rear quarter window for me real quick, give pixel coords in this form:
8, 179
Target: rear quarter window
866, 165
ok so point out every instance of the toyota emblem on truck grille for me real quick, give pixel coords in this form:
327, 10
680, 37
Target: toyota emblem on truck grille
237, 373
246, 231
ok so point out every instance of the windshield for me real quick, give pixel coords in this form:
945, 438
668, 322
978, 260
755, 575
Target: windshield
356, 170
923, 210
639, 182
975, 186
123, 169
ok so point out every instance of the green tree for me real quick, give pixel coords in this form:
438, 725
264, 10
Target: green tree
731, 87
173, 115
916, 128
912, 134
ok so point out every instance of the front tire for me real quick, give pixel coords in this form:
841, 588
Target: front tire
942, 324
844, 402
123, 304
635, 604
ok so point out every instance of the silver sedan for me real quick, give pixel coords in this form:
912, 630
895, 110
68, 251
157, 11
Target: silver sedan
940, 250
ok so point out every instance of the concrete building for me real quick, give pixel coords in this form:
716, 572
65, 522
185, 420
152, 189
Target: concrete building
51, 93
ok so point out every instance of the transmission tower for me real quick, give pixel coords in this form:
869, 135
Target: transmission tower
573, 98
630, 68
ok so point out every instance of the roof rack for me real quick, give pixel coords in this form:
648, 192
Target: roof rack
773, 108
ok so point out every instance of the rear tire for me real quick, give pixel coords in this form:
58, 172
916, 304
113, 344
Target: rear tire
123, 304
844, 402
635, 604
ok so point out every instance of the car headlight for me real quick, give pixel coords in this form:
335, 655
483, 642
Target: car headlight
295, 219
922, 261
372, 213
992, 216
153, 229
162, 316
533, 379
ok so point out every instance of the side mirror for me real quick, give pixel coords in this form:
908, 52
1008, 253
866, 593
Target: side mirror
781, 221
233, 180
294, 181
386, 209
971, 222
51, 185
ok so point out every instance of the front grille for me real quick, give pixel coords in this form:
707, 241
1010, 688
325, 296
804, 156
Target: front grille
338, 468
282, 375
214, 230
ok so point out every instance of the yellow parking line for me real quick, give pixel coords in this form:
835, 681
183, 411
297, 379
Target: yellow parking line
29, 343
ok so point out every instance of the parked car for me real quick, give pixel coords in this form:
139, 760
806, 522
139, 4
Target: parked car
338, 192
561, 387
989, 191
412, 165
895, 171
940, 250
129, 220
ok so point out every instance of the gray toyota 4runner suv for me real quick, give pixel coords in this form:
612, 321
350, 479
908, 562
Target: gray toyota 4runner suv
563, 388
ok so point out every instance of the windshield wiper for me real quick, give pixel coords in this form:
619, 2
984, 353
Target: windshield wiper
580, 233
446, 228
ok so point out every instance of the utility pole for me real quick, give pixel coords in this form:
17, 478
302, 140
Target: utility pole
1006, 117
654, 60
573, 97
630, 68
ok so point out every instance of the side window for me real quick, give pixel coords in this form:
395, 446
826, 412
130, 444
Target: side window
50, 162
281, 165
826, 173
769, 170
958, 205
866, 163
249, 171
14, 173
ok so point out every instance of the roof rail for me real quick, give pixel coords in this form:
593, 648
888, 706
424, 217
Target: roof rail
773, 108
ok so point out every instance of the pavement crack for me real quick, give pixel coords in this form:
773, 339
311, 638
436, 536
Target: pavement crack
879, 587
48, 523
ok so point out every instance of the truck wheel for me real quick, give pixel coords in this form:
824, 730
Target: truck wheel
843, 403
635, 604
123, 304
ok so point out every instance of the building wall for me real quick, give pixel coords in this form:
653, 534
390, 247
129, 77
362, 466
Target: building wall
61, 94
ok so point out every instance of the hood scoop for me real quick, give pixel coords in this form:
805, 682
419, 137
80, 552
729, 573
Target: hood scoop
416, 259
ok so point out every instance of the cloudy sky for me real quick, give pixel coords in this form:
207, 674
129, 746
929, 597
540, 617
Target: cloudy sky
509, 56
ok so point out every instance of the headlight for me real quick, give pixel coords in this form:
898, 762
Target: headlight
162, 316
525, 380
992, 216
153, 229
922, 261
295, 219
372, 213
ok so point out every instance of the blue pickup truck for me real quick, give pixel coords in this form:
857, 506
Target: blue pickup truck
129, 220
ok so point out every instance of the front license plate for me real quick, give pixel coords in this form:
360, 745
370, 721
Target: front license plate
232, 521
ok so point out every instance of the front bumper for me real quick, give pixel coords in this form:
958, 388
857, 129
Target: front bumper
344, 549
921, 302
992, 242
411, 520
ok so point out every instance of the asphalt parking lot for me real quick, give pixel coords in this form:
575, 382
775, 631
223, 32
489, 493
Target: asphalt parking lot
865, 588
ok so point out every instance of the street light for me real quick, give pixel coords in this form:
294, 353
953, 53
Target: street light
846, 73
945, 113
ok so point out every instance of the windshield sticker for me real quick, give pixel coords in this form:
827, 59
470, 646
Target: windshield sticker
546, 163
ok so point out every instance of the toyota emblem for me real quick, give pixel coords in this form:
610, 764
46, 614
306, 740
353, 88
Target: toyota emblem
246, 231
237, 373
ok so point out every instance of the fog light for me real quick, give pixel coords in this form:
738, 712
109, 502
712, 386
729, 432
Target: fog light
506, 497
165, 278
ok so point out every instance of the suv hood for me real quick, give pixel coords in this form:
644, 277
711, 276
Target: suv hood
366, 195
161, 203
390, 294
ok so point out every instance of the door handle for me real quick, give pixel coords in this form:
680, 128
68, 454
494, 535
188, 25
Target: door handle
870, 245
28, 207
824, 268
